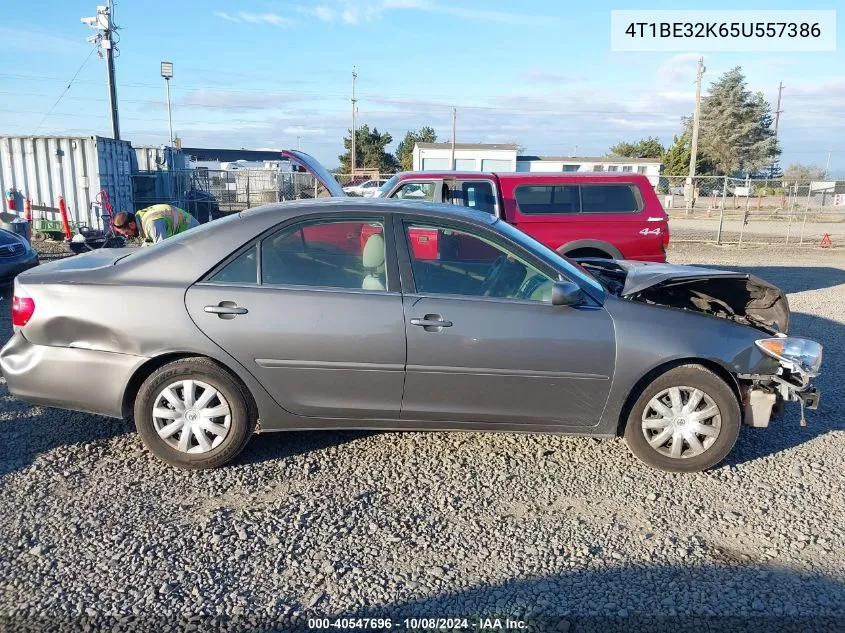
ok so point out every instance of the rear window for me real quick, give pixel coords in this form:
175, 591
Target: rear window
586, 198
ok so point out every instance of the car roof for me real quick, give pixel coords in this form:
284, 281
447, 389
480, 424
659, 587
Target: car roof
434, 210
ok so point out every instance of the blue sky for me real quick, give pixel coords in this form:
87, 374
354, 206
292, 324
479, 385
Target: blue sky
260, 73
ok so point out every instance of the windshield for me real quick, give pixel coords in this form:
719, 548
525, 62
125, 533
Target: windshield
386, 187
564, 264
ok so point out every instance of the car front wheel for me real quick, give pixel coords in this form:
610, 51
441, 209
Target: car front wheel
193, 414
686, 420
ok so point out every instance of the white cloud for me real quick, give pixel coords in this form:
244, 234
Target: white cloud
301, 130
254, 18
238, 99
353, 13
34, 41
321, 12
678, 68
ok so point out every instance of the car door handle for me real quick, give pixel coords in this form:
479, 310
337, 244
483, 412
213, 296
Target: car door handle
431, 322
226, 309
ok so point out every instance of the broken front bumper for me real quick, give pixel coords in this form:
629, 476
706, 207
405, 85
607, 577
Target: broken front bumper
764, 395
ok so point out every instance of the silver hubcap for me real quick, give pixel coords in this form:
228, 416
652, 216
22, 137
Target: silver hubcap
681, 422
191, 416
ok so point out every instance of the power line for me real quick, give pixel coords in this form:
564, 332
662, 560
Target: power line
70, 83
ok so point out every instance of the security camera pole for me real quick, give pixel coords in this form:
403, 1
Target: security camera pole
105, 28
167, 73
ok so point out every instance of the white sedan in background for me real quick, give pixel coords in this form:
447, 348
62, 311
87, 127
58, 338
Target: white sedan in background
366, 189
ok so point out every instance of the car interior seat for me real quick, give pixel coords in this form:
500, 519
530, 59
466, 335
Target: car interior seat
373, 262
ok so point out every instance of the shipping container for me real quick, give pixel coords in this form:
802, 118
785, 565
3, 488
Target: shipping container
43, 168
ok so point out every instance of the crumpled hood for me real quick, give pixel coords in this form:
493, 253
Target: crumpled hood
738, 296
642, 275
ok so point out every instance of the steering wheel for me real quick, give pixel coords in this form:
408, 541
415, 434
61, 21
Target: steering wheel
493, 274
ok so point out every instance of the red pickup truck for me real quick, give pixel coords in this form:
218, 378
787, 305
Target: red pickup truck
616, 215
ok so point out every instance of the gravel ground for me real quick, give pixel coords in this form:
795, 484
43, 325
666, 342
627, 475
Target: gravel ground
559, 533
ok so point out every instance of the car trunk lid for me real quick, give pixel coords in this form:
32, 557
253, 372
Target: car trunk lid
316, 169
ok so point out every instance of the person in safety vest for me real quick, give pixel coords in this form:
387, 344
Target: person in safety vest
155, 223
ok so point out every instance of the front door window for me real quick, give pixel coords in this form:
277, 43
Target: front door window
459, 263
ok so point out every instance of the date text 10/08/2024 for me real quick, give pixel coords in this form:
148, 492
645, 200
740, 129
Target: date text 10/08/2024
423, 623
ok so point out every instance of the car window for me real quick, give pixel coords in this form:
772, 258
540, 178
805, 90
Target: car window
478, 195
416, 191
326, 254
241, 270
610, 198
450, 262
548, 199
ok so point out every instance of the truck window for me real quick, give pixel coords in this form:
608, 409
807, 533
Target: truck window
548, 199
479, 195
415, 191
610, 199
570, 199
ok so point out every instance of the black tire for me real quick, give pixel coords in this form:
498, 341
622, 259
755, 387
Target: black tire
242, 421
696, 377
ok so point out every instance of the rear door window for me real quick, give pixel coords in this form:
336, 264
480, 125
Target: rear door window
479, 195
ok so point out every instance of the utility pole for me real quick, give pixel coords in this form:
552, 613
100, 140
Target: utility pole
105, 28
454, 126
696, 120
777, 109
777, 120
354, 100
297, 141
827, 165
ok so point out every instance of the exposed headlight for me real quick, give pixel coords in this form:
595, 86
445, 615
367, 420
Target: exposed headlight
799, 353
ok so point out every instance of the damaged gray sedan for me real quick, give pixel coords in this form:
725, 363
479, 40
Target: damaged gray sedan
394, 315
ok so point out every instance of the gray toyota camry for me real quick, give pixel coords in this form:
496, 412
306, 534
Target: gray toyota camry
385, 314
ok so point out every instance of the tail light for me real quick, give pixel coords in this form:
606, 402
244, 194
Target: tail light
665, 238
23, 307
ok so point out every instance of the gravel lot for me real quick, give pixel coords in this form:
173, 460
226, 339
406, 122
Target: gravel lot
562, 533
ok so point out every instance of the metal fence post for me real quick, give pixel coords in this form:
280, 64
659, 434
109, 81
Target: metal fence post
806, 211
791, 210
722, 210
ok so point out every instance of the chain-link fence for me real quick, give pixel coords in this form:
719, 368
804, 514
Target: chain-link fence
220, 192
745, 211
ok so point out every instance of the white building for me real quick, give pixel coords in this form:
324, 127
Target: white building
487, 157
468, 157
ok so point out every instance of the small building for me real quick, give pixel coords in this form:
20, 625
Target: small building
468, 156
649, 167
495, 157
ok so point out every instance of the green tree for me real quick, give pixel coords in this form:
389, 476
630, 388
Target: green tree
676, 157
736, 134
650, 147
803, 174
405, 150
369, 151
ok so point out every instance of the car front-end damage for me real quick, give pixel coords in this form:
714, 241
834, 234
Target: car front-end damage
734, 296
799, 362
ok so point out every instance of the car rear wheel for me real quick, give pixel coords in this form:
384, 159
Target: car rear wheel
193, 414
686, 420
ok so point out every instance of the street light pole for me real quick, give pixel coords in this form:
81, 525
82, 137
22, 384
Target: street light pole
167, 73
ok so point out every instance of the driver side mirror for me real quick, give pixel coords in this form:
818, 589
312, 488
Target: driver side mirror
566, 293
